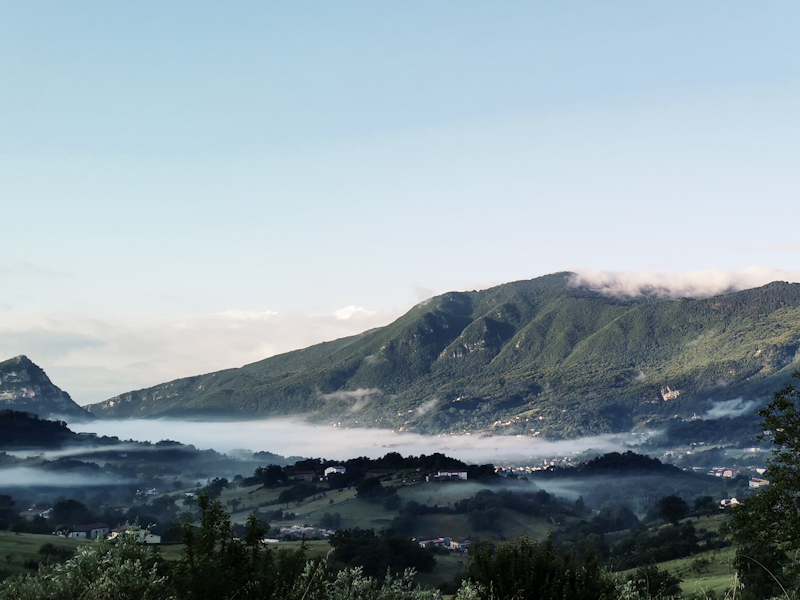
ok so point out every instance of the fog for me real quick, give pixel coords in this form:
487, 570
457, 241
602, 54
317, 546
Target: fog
730, 408
31, 477
289, 437
79, 451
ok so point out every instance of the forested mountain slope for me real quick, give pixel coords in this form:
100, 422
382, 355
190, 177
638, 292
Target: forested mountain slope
535, 356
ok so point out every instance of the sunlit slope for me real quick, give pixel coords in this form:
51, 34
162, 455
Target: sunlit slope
534, 355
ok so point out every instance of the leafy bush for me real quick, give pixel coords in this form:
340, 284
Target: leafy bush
377, 553
524, 568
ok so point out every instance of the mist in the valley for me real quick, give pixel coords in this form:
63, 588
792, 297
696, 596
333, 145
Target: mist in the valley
295, 437
17, 477
84, 453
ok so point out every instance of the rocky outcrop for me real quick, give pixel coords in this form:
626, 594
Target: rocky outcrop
25, 387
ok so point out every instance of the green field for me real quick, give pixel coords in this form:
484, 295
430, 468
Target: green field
356, 512
717, 576
17, 548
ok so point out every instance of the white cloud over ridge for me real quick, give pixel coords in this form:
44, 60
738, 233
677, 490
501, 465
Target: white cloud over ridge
689, 284
348, 312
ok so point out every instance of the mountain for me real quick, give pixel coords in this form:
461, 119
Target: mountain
25, 387
538, 357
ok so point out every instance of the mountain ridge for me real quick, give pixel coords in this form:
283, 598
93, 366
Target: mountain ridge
540, 357
25, 387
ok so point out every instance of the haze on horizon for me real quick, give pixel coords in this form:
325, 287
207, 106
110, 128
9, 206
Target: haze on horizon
193, 187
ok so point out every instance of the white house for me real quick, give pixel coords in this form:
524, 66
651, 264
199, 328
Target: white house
144, 536
757, 482
88, 532
729, 502
460, 544
438, 541
337, 469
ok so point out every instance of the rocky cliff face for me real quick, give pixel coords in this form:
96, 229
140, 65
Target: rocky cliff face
25, 386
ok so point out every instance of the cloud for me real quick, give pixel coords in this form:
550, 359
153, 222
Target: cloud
362, 397
426, 406
729, 408
343, 314
422, 293
248, 315
352, 394
30, 477
789, 247
691, 284
25, 271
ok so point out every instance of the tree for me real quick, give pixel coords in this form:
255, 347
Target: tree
8, 513
524, 568
672, 508
70, 512
766, 528
651, 582
216, 565
378, 552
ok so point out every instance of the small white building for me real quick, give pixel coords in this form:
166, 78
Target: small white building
757, 482
88, 532
143, 536
460, 544
730, 502
438, 541
337, 469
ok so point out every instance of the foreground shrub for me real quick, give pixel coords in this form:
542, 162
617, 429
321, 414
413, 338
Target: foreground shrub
524, 568
126, 570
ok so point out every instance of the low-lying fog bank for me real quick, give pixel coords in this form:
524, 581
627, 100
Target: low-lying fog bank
295, 437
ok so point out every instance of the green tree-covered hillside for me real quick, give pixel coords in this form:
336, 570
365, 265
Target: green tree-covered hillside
528, 356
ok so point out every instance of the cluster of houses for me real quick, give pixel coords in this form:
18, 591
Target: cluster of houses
147, 493
457, 544
92, 531
299, 532
754, 483
726, 471
448, 475
543, 465
311, 475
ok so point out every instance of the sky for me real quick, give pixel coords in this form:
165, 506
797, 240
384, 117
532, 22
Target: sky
191, 186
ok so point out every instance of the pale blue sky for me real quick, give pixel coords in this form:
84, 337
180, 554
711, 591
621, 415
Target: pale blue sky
163, 164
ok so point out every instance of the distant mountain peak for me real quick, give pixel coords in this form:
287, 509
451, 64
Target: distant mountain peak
24, 386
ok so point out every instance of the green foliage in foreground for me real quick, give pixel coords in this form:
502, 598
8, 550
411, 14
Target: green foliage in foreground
766, 528
523, 568
217, 566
